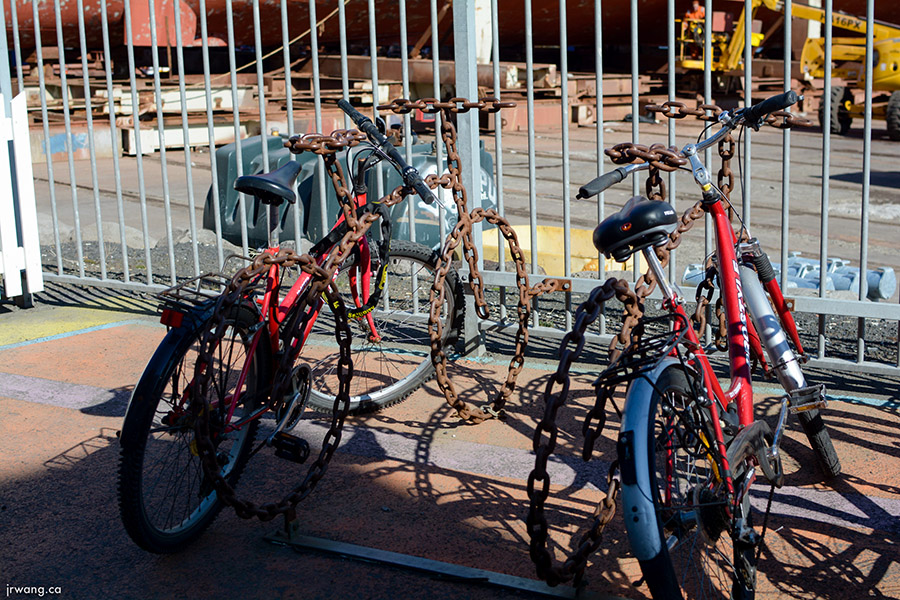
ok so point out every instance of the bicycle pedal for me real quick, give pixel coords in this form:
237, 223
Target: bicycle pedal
290, 447
808, 398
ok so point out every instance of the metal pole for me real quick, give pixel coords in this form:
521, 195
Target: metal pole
826, 172
373, 53
186, 134
317, 103
867, 176
289, 100
464, 54
598, 81
438, 122
114, 138
635, 114
161, 133
707, 98
671, 122
532, 182
68, 124
261, 99
567, 224
498, 149
51, 180
236, 117
210, 128
748, 100
786, 151
82, 38
412, 200
136, 124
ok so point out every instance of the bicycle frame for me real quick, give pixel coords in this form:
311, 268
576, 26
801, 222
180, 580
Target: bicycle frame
277, 311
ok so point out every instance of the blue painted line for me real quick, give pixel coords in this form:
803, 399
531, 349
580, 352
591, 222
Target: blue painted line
67, 334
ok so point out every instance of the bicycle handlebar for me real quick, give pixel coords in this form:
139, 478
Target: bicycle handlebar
755, 113
752, 115
411, 177
599, 184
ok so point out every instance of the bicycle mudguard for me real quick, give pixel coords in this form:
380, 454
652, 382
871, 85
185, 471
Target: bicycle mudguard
637, 488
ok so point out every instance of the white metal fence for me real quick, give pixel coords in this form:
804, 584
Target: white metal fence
139, 197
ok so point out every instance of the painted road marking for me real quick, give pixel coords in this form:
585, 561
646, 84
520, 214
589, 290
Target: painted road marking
57, 393
66, 334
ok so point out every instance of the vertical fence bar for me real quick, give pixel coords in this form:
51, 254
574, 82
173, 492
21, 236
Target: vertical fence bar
464, 54
236, 116
261, 96
707, 98
51, 180
598, 111
532, 182
438, 121
186, 134
786, 150
138, 145
64, 90
289, 99
748, 100
635, 115
345, 77
373, 53
114, 138
211, 130
567, 218
826, 174
91, 145
498, 150
412, 200
867, 177
670, 44
317, 103
161, 135
17, 45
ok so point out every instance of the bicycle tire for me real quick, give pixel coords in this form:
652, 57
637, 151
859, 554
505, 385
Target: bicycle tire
820, 441
165, 500
387, 371
683, 509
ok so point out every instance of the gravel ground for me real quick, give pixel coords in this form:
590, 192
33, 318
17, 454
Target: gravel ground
840, 332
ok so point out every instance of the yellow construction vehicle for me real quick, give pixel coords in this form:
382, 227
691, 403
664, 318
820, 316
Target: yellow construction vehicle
848, 56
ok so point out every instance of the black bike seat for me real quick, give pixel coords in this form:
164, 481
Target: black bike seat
274, 187
641, 223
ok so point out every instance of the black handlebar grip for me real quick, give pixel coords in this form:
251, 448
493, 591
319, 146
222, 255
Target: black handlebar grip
601, 183
355, 116
756, 112
424, 191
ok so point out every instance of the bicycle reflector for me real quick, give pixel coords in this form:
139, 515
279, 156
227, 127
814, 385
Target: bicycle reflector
171, 318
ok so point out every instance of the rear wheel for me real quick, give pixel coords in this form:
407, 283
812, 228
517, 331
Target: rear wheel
701, 555
840, 115
394, 359
165, 498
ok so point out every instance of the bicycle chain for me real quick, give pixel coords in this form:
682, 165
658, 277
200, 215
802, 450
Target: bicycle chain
320, 284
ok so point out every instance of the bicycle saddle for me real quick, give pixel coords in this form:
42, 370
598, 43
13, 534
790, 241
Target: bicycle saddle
274, 187
641, 223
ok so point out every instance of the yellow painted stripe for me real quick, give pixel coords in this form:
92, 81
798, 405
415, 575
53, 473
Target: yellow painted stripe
25, 325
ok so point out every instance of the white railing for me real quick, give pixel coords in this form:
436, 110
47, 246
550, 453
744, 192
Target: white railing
20, 250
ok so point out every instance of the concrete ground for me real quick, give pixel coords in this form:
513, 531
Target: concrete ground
411, 479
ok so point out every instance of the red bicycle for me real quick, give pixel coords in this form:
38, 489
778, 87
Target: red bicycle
688, 449
264, 346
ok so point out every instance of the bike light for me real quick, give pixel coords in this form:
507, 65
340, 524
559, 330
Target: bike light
171, 318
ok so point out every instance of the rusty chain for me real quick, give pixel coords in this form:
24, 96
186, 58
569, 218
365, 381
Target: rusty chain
544, 443
320, 284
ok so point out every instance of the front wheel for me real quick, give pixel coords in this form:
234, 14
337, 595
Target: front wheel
391, 344
165, 498
675, 500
